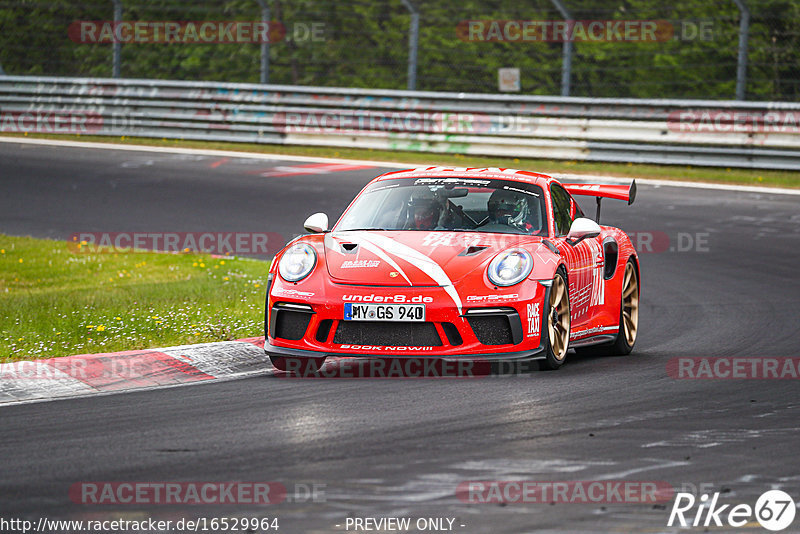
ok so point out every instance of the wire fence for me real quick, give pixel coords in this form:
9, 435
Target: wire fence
713, 49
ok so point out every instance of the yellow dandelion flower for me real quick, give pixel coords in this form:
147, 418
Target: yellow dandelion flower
20, 260
226, 278
194, 264
222, 262
100, 328
202, 265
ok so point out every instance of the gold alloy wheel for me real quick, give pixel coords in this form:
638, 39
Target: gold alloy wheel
558, 319
630, 304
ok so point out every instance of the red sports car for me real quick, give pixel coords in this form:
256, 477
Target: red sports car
491, 264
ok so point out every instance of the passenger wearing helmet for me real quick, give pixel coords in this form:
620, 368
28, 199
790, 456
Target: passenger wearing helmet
508, 209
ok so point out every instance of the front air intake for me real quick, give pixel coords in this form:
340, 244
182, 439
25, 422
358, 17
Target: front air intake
387, 334
495, 326
290, 321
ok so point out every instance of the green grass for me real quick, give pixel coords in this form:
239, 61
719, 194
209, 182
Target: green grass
58, 301
789, 179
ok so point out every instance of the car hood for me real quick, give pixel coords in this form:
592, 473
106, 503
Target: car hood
412, 258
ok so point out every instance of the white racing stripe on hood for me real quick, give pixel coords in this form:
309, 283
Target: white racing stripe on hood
419, 260
375, 249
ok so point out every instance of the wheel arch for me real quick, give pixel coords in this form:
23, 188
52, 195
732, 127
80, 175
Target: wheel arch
635, 257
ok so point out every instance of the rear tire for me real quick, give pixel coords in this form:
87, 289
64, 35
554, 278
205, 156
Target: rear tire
300, 366
557, 323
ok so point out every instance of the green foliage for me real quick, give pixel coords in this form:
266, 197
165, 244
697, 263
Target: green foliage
364, 43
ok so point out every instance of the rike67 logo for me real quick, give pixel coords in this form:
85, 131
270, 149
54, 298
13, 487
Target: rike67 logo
774, 510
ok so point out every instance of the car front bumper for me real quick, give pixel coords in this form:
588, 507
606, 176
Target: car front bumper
504, 325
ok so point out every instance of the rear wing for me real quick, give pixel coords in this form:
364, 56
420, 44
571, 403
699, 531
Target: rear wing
601, 191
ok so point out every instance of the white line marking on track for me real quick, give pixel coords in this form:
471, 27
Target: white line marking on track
387, 164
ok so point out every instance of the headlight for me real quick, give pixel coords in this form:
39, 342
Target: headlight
510, 267
297, 262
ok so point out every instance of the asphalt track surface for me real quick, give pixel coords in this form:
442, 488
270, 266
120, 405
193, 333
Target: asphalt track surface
385, 448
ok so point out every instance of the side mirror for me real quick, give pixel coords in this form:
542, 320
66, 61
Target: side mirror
582, 228
316, 224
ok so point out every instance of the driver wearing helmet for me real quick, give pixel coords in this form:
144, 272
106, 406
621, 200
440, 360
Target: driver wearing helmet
507, 208
426, 213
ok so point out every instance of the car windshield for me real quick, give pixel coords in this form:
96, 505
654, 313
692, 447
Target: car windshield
448, 204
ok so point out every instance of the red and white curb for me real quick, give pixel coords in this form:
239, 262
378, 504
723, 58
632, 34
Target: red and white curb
91, 374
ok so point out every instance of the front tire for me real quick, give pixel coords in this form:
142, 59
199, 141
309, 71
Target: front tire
557, 323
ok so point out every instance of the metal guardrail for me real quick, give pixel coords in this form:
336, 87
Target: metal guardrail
754, 135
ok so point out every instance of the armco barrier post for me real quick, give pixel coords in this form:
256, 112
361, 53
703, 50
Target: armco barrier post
413, 45
265, 15
566, 51
117, 47
741, 65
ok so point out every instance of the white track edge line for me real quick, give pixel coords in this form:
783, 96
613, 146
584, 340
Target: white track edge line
384, 164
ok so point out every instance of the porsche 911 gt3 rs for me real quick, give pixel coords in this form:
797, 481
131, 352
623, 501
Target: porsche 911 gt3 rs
494, 264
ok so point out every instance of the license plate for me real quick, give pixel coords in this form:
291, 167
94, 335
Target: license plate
384, 312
